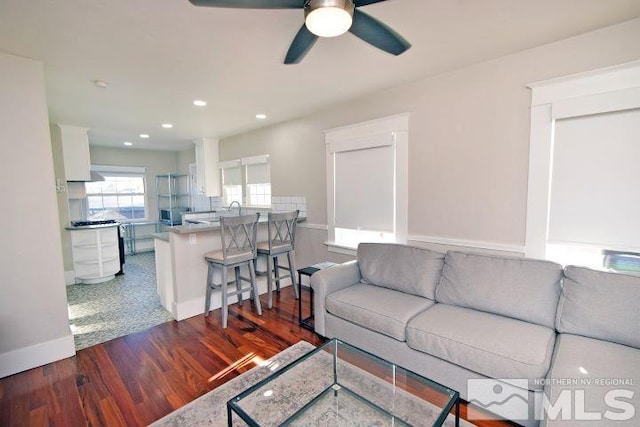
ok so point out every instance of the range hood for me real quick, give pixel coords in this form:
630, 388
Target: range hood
95, 176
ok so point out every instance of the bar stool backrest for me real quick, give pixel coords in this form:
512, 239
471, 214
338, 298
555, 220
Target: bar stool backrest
282, 230
239, 235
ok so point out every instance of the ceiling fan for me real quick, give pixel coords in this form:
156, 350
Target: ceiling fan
325, 18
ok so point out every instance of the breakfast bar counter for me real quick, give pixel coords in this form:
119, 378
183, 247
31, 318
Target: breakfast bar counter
181, 271
194, 228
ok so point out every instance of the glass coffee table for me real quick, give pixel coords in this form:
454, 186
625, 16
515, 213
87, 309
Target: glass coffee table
340, 385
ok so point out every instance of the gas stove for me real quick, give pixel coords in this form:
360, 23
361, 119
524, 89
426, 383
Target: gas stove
95, 222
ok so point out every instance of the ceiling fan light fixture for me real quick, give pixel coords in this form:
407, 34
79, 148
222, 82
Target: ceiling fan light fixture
328, 18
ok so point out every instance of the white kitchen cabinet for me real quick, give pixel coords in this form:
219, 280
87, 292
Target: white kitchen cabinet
75, 152
208, 174
96, 256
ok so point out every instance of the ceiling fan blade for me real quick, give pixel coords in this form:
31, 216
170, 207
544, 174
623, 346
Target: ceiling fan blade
378, 34
302, 43
251, 4
359, 3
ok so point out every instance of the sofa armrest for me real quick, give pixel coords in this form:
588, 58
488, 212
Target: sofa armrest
330, 280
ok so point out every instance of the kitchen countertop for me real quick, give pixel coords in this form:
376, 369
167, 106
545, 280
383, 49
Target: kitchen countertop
199, 228
194, 228
91, 227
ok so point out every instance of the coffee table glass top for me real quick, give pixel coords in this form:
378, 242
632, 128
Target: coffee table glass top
340, 385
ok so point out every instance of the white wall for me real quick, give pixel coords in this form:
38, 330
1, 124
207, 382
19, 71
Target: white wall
185, 157
468, 142
156, 162
63, 200
34, 327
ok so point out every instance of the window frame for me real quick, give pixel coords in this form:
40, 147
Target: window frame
247, 162
244, 163
111, 171
600, 91
230, 164
367, 135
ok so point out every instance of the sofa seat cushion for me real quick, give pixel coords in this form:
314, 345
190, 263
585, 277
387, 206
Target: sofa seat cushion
597, 367
379, 309
492, 345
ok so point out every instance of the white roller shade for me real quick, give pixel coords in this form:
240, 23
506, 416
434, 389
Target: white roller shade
232, 176
263, 158
594, 187
258, 173
231, 172
364, 189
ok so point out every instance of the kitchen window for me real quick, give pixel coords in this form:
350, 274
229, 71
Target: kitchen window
258, 180
248, 180
367, 183
120, 196
231, 172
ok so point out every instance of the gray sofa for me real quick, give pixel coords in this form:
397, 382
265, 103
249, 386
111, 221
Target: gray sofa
535, 329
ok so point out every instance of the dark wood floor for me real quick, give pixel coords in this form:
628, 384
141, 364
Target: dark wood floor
137, 379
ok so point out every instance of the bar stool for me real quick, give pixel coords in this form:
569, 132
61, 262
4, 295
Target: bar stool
238, 236
282, 237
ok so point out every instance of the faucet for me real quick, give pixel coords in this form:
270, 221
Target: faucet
239, 207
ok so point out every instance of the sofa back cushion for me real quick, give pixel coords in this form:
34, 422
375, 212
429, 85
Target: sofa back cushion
600, 305
408, 269
524, 289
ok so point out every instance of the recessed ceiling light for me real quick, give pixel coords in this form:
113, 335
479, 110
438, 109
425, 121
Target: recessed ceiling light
144, 135
101, 84
127, 143
167, 125
261, 116
200, 103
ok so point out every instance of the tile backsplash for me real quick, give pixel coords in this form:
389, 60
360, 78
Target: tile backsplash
204, 203
281, 204
289, 203
278, 204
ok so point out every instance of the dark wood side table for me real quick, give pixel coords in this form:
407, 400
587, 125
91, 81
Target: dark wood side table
307, 322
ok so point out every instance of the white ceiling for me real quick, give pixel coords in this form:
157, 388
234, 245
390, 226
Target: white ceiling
160, 55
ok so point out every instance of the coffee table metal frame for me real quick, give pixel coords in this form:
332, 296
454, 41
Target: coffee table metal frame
233, 405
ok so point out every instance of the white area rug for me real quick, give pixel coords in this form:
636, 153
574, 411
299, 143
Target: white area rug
210, 409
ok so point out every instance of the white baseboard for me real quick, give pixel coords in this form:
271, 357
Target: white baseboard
70, 277
490, 246
187, 309
40, 354
195, 306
